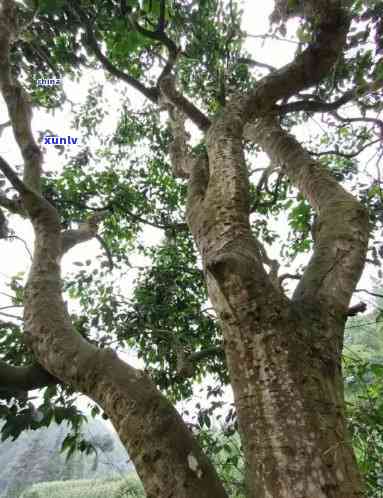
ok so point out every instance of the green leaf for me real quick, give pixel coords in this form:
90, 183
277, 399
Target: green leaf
50, 6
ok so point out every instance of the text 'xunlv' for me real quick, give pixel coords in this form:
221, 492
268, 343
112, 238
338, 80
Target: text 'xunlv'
59, 140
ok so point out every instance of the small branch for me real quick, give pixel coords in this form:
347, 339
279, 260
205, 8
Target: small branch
167, 87
186, 364
286, 276
151, 93
374, 294
10, 325
316, 105
147, 222
161, 20
205, 353
12, 205
179, 150
4, 126
16, 237
158, 34
106, 249
375, 121
343, 154
27, 24
274, 37
14, 179
357, 308
9, 315
263, 183
85, 232
273, 264
110, 206
253, 63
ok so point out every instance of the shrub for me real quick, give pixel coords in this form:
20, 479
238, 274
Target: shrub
129, 487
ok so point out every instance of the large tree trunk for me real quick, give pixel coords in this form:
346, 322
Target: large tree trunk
166, 456
286, 377
284, 357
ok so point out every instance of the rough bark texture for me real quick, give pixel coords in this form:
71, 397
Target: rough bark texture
283, 355
159, 443
167, 458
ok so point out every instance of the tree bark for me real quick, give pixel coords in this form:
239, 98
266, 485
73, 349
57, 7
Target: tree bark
167, 458
284, 357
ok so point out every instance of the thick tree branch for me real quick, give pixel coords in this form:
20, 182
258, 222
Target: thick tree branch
33, 202
12, 205
85, 232
151, 93
316, 105
254, 63
342, 227
18, 104
167, 87
24, 378
13, 178
307, 69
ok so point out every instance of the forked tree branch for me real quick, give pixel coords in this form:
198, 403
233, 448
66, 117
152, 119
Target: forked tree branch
342, 226
150, 93
307, 69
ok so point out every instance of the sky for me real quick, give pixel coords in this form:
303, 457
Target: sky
14, 258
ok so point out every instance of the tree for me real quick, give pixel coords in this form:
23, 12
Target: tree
282, 354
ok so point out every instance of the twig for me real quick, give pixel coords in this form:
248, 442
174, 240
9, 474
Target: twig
23, 242
343, 154
9, 315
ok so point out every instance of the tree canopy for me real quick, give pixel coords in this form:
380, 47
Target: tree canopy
188, 59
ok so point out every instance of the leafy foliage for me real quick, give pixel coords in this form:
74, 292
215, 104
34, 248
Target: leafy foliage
164, 312
363, 373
